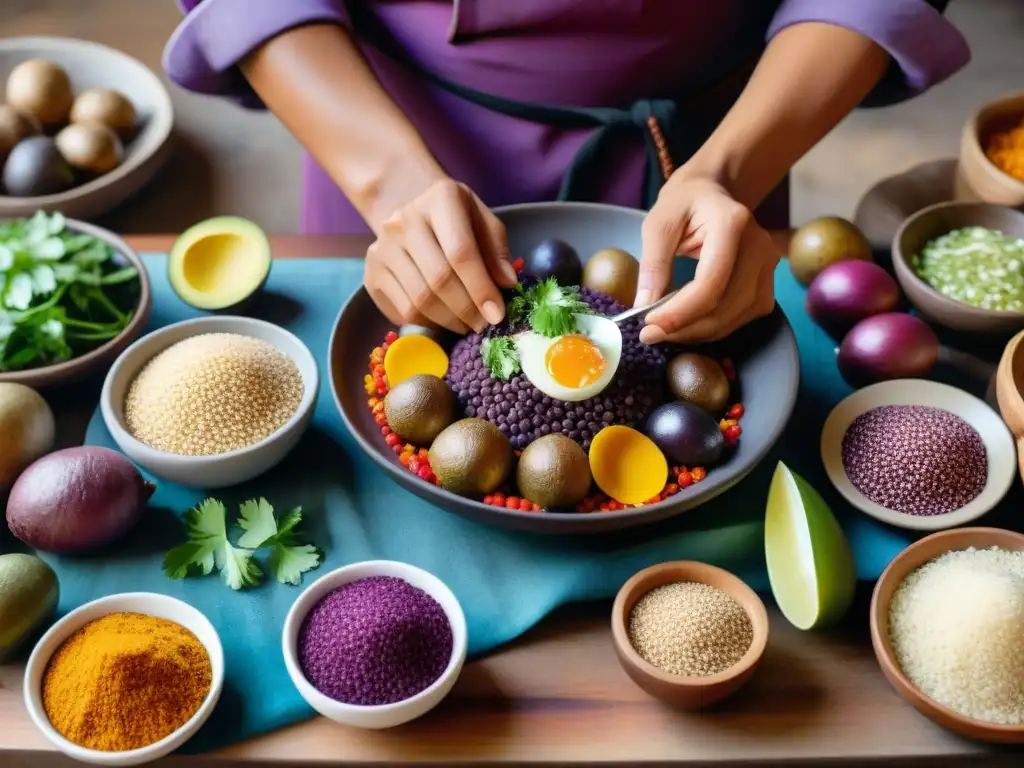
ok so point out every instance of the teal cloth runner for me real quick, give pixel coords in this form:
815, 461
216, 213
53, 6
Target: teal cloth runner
506, 581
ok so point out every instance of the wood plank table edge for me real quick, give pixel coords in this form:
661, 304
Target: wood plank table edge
558, 696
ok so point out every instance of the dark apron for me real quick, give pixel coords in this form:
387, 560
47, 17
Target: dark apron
665, 125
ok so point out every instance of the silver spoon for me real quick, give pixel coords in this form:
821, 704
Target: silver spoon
629, 314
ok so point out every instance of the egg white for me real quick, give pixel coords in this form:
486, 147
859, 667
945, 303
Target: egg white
533, 349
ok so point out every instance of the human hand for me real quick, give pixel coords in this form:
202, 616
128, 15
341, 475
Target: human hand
439, 260
736, 260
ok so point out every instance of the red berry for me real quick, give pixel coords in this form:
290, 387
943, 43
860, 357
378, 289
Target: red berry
736, 412
512, 503
518, 265
732, 434
391, 337
393, 439
385, 430
423, 473
415, 464
525, 505
397, 449
684, 479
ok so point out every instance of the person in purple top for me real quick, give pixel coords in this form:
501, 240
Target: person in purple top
419, 115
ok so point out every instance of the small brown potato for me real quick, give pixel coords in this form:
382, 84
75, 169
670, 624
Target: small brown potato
15, 125
42, 89
90, 147
107, 106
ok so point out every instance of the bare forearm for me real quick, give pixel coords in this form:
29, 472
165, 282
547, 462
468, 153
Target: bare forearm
320, 86
809, 78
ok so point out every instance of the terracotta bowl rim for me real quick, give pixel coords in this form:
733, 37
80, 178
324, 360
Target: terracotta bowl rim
130, 331
694, 570
882, 646
974, 132
905, 273
1004, 373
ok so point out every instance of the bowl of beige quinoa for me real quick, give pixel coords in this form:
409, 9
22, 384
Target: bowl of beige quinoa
211, 402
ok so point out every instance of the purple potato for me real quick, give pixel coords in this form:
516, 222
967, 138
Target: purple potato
77, 499
685, 433
554, 258
888, 346
849, 291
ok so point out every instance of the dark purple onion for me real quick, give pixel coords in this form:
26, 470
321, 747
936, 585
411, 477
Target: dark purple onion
554, 258
893, 345
77, 499
849, 291
685, 433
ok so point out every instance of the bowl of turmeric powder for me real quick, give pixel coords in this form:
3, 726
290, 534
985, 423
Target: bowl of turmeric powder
991, 164
125, 679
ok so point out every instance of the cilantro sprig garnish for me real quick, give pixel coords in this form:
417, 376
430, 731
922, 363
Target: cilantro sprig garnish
208, 547
59, 292
551, 308
547, 307
500, 357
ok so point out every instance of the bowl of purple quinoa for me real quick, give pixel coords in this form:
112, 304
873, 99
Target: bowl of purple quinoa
375, 644
918, 454
648, 439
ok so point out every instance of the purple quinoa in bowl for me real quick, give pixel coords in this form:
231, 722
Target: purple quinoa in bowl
523, 413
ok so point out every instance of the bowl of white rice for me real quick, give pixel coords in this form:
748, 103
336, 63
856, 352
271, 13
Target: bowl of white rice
947, 626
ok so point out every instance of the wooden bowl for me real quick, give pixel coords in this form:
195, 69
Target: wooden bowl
978, 178
936, 220
914, 556
676, 690
51, 376
1010, 392
91, 65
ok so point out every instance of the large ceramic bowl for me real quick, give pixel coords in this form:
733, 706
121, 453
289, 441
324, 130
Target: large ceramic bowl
764, 353
977, 177
91, 65
936, 220
95, 360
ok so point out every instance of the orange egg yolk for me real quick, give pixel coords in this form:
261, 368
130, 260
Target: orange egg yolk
574, 361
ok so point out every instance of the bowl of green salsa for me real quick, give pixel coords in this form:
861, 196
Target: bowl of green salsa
961, 265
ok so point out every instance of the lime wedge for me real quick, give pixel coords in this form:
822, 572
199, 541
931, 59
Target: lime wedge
810, 565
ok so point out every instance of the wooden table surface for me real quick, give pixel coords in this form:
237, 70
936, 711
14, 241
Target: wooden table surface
558, 695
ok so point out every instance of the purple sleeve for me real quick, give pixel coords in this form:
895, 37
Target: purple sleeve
925, 47
215, 35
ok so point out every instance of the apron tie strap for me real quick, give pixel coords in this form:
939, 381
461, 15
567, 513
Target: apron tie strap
656, 119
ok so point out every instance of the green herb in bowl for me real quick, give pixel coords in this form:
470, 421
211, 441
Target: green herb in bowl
977, 266
62, 293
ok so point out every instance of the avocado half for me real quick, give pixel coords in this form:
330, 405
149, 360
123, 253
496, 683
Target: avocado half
219, 263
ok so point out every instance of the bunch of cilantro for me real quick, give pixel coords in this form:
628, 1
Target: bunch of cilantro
208, 547
61, 293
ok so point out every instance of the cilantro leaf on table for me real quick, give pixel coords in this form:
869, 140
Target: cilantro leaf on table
257, 520
62, 293
208, 548
500, 356
288, 558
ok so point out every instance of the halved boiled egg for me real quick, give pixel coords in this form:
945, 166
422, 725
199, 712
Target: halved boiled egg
576, 366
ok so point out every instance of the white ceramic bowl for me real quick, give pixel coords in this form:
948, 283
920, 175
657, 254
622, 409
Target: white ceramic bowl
150, 603
91, 65
385, 715
999, 445
223, 469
